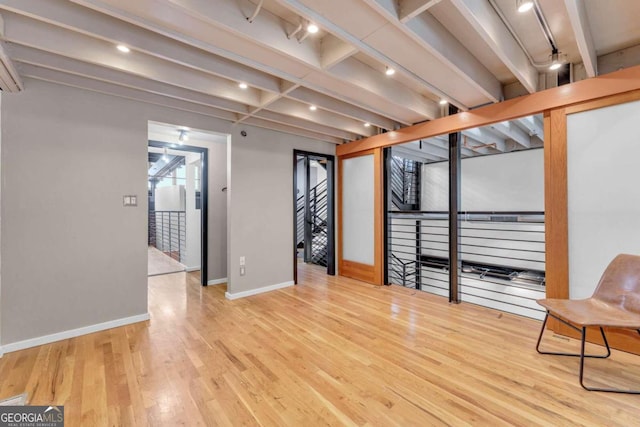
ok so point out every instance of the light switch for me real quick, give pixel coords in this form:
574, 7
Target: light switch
130, 201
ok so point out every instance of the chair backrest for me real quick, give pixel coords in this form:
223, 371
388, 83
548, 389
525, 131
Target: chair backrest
620, 283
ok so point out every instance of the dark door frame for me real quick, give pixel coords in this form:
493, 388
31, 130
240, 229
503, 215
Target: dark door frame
204, 197
331, 244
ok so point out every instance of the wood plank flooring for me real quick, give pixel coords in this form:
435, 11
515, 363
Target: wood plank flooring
330, 351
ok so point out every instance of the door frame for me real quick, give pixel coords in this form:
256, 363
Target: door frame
331, 211
204, 200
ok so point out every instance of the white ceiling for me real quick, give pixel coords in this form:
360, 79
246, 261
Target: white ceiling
192, 54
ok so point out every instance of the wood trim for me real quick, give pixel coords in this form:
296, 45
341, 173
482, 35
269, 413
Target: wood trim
609, 101
555, 197
355, 270
586, 90
368, 273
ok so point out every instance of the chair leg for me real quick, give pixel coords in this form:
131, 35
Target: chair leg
581, 354
582, 357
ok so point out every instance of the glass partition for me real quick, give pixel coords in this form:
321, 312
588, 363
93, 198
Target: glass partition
501, 224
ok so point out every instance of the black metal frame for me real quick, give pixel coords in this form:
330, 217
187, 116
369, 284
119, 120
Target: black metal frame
204, 208
331, 256
455, 265
581, 355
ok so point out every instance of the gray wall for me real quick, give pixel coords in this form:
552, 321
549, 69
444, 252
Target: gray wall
71, 255
261, 206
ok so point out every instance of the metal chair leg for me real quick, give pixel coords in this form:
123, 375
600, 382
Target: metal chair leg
581, 354
582, 357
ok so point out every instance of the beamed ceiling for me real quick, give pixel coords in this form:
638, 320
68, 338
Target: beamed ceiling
192, 54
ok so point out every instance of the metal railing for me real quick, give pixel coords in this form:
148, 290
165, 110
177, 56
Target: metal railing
502, 253
405, 183
167, 232
318, 203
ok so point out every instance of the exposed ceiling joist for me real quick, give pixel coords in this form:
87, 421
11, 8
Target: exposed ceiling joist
162, 18
10, 80
115, 31
331, 104
582, 31
509, 130
343, 34
488, 25
27, 55
25, 31
433, 37
409, 9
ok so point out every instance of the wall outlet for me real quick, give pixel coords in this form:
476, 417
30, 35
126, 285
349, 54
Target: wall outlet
242, 270
242, 261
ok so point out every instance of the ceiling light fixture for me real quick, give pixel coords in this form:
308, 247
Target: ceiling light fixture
367, 124
243, 85
555, 60
312, 28
443, 102
165, 158
183, 136
524, 5
390, 71
313, 107
122, 48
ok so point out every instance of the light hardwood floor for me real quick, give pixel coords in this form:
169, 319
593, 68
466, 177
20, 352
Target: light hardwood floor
330, 351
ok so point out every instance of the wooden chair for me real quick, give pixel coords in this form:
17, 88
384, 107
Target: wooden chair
615, 303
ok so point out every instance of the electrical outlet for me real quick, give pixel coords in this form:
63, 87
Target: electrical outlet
242, 270
242, 261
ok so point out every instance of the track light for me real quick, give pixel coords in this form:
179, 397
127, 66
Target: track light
443, 102
555, 60
390, 71
524, 5
313, 107
183, 136
243, 85
312, 28
367, 124
165, 158
122, 48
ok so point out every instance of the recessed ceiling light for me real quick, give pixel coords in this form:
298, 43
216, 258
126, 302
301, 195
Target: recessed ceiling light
367, 124
243, 85
390, 71
313, 107
443, 102
122, 48
524, 5
312, 28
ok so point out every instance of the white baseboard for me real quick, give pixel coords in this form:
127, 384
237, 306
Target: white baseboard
46, 339
190, 269
258, 290
217, 281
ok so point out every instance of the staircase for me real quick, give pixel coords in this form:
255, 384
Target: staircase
405, 184
317, 223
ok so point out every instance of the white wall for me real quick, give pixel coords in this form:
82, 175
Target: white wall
72, 255
603, 194
261, 206
502, 182
170, 198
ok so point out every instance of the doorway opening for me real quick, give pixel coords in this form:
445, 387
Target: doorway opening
314, 213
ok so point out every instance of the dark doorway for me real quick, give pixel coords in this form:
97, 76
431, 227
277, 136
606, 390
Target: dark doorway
314, 210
